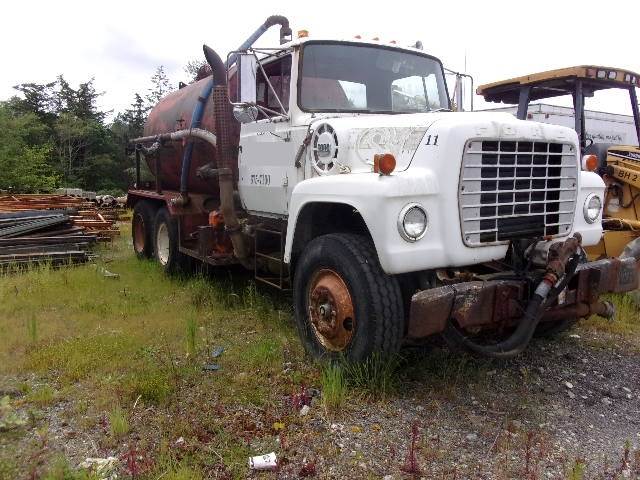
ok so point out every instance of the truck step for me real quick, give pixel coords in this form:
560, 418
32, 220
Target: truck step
269, 252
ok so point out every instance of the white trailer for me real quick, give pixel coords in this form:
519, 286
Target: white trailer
601, 127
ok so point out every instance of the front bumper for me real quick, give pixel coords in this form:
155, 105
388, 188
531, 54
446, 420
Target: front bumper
476, 305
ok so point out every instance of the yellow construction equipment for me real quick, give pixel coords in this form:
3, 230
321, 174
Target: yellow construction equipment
619, 165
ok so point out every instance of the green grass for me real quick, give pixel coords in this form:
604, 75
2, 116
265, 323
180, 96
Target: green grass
626, 321
152, 384
44, 395
183, 473
577, 471
32, 329
334, 387
191, 333
142, 339
265, 352
118, 423
60, 469
10, 418
8, 469
377, 377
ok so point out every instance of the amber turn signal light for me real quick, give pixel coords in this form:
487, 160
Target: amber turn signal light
589, 163
384, 163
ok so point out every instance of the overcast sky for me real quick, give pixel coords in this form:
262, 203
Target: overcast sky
120, 43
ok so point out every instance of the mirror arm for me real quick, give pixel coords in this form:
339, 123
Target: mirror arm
266, 110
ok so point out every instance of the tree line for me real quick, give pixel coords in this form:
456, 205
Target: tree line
54, 135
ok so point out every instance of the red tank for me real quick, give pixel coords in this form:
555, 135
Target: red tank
173, 113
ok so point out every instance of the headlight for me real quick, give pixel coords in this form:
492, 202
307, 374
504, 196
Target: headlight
412, 222
592, 208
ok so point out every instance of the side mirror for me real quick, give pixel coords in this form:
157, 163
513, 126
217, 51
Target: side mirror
247, 68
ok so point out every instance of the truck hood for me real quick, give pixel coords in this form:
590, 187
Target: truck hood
349, 143
354, 140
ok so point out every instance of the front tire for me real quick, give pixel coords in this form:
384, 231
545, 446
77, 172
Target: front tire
345, 305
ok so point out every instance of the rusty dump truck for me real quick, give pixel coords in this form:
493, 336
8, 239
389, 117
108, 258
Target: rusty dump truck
336, 169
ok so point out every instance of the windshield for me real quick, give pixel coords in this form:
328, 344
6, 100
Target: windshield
348, 78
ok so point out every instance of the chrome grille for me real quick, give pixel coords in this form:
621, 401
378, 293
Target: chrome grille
516, 189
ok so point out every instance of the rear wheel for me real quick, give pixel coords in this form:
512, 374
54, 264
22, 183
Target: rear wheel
345, 305
142, 229
166, 243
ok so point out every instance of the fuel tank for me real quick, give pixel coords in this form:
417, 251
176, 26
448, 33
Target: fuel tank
173, 113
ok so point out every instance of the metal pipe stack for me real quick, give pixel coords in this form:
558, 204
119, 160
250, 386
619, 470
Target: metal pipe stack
52, 229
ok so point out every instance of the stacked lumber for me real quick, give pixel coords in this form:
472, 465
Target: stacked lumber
56, 229
12, 203
100, 222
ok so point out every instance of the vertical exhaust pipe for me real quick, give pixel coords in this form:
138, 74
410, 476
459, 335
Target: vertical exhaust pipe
226, 154
285, 36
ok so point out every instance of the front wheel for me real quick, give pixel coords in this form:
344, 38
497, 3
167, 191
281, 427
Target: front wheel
345, 305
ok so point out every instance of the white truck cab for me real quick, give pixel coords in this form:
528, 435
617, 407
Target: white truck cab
355, 100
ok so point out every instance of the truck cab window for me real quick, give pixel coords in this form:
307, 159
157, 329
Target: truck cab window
415, 93
279, 75
357, 78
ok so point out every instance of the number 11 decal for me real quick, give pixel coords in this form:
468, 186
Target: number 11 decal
435, 140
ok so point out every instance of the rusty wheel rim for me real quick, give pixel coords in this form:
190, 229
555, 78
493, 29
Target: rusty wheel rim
138, 234
331, 310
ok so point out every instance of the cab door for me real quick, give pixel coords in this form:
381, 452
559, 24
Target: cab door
267, 152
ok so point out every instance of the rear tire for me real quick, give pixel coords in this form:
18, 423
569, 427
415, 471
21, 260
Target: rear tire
345, 305
142, 229
166, 243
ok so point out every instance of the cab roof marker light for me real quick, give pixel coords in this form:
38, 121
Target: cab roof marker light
627, 77
602, 74
612, 75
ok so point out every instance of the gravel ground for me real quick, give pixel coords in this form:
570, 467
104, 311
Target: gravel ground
560, 403
576, 399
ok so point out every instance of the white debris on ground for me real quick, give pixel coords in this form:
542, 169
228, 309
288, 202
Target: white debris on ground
264, 462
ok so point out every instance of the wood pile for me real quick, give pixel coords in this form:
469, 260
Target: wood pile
100, 222
51, 228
